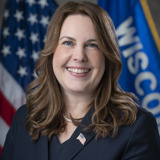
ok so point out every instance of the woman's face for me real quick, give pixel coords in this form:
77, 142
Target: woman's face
78, 63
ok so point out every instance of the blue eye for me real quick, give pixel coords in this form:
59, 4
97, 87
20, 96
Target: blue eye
92, 45
68, 43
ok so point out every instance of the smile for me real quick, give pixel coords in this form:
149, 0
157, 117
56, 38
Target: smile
77, 70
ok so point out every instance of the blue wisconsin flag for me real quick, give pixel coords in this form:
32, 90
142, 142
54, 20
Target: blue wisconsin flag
140, 50
22, 37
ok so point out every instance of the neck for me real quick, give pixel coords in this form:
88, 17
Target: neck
77, 105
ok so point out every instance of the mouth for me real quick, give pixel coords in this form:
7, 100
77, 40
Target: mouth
78, 70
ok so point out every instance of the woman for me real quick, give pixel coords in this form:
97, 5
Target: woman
75, 108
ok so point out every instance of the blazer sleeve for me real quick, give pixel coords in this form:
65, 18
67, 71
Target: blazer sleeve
8, 149
144, 142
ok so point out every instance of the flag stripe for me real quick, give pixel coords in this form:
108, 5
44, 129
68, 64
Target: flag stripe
6, 110
0, 150
3, 131
8, 86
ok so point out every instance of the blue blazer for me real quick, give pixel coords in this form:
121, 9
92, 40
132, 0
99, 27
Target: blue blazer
139, 141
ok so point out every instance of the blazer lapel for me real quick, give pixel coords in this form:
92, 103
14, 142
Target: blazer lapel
79, 139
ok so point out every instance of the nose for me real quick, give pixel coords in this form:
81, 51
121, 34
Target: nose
79, 54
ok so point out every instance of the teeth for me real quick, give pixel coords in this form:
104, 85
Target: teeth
75, 70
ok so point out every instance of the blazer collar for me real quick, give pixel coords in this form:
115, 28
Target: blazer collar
75, 145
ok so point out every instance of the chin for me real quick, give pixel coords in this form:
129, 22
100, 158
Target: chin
78, 90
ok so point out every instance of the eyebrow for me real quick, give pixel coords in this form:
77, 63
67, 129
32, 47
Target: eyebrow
92, 40
73, 39
67, 37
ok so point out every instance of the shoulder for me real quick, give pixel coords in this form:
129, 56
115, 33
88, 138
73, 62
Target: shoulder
145, 117
21, 112
16, 134
143, 134
145, 120
20, 115
18, 121
17, 128
145, 124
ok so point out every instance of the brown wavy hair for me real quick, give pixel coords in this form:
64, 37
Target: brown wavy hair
44, 98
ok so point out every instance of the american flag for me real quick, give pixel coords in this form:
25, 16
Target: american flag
21, 39
81, 138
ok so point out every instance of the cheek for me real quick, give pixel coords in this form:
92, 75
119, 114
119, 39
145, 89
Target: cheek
56, 54
57, 57
99, 61
61, 53
56, 66
60, 58
55, 63
100, 65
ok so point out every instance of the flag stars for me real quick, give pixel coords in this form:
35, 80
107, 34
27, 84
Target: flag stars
6, 32
6, 50
32, 19
35, 56
31, 2
21, 53
20, 34
6, 14
18, 15
34, 38
43, 3
44, 21
22, 71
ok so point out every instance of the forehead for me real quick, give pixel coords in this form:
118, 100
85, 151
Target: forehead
75, 18
78, 25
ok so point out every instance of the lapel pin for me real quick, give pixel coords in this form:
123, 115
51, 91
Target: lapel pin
81, 138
